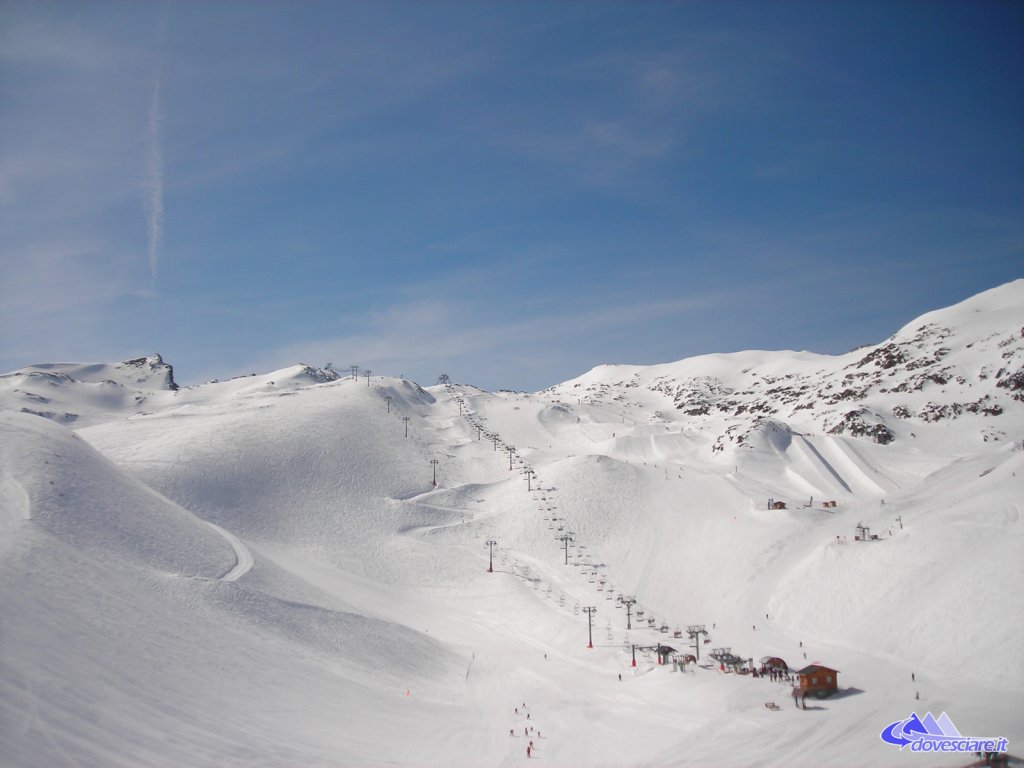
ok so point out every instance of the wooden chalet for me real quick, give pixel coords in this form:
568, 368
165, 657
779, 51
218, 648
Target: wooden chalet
816, 680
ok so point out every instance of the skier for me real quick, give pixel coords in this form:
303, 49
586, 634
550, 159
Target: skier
528, 751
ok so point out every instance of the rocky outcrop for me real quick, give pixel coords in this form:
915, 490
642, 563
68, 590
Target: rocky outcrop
152, 370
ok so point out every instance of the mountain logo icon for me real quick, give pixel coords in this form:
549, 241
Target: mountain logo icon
937, 734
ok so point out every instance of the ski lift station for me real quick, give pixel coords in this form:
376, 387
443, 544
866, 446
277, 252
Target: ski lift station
772, 664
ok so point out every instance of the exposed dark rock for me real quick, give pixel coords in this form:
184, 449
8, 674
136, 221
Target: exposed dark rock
1012, 383
63, 418
884, 357
854, 423
156, 365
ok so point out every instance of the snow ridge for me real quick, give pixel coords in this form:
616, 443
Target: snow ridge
291, 568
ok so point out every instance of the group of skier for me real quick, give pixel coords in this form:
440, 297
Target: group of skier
528, 730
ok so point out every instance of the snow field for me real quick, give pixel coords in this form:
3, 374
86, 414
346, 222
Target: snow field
260, 572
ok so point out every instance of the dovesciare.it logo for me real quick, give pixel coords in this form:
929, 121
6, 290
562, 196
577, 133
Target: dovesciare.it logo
930, 734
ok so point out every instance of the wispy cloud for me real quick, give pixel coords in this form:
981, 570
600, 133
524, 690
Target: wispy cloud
155, 180
155, 160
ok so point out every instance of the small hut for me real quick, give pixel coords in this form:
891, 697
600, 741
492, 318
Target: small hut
816, 680
773, 665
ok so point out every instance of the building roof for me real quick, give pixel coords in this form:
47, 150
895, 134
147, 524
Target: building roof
810, 670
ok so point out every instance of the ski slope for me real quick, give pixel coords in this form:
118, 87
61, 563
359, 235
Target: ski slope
262, 572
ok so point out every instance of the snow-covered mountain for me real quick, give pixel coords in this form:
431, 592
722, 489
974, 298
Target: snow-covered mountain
261, 571
964, 361
88, 393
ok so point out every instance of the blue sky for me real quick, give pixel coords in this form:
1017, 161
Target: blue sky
507, 192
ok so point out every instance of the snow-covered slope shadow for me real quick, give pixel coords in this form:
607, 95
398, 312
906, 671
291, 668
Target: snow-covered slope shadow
62, 484
133, 633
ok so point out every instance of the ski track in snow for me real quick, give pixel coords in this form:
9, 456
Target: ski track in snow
243, 555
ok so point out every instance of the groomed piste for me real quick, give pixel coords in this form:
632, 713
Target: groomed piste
304, 568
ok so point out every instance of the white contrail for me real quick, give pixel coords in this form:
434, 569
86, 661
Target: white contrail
155, 181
